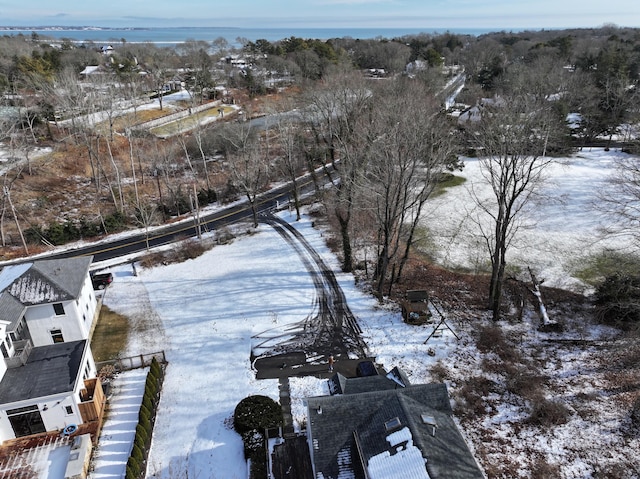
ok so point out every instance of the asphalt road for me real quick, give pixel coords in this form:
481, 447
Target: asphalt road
136, 243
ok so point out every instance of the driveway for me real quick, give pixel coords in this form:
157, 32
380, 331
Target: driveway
329, 329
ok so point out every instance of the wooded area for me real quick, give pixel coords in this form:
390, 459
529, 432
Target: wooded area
79, 165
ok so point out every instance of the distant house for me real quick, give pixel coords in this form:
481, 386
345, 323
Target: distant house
382, 427
106, 49
92, 70
47, 375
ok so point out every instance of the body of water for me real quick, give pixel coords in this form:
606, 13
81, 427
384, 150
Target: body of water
174, 36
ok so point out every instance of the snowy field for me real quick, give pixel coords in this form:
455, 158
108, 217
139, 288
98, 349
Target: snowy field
204, 312
563, 223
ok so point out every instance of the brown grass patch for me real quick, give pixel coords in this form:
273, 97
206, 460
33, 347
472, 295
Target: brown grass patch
110, 335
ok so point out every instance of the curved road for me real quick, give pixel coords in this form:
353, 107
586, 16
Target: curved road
135, 243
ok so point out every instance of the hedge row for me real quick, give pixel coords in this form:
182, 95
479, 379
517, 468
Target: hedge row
136, 465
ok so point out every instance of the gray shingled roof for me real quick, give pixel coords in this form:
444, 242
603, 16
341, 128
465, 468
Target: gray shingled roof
365, 414
40, 282
340, 384
50, 370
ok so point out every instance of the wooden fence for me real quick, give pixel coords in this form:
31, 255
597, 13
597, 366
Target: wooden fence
133, 362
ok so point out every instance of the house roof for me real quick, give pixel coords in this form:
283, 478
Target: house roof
40, 282
50, 370
90, 69
367, 419
340, 384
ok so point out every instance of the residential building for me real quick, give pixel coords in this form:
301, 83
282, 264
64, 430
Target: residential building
382, 427
48, 378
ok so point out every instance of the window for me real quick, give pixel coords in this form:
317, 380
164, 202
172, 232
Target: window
392, 424
26, 421
56, 335
58, 308
84, 318
68, 410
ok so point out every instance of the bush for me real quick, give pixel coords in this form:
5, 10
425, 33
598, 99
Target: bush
617, 299
471, 398
257, 412
492, 339
144, 428
155, 368
142, 436
137, 454
207, 196
635, 413
525, 382
114, 222
542, 469
133, 468
545, 412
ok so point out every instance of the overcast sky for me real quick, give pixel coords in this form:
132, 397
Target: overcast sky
502, 14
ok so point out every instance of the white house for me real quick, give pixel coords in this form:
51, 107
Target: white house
48, 378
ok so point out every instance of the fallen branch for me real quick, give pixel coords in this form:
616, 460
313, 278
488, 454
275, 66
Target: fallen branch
542, 310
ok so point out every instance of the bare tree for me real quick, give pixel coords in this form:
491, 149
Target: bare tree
334, 109
512, 136
409, 147
7, 184
249, 162
621, 202
288, 139
146, 216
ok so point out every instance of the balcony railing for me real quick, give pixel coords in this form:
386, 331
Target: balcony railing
92, 400
22, 350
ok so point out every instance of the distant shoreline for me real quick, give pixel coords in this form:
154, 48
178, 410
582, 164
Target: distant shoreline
178, 35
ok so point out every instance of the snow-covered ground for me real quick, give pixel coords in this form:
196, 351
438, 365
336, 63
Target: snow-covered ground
563, 223
204, 312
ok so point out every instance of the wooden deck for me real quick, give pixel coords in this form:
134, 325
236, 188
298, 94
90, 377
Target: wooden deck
291, 459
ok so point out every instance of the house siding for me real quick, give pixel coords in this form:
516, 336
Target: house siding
53, 408
75, 324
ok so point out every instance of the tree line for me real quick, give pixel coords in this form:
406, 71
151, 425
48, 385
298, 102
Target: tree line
390, 141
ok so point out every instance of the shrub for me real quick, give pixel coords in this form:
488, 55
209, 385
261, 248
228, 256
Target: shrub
543, 470
617, 299
471, 402
137, 454
207, 196
545, 412
635, 412
142, 436
155, 369
492, 339
525, 383
257, 412
133, 468
147, 402
114, 222
151, 388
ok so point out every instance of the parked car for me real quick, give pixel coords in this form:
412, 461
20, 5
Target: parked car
101, 280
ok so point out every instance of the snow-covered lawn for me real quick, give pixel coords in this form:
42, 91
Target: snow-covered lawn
563, 223
203, 313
